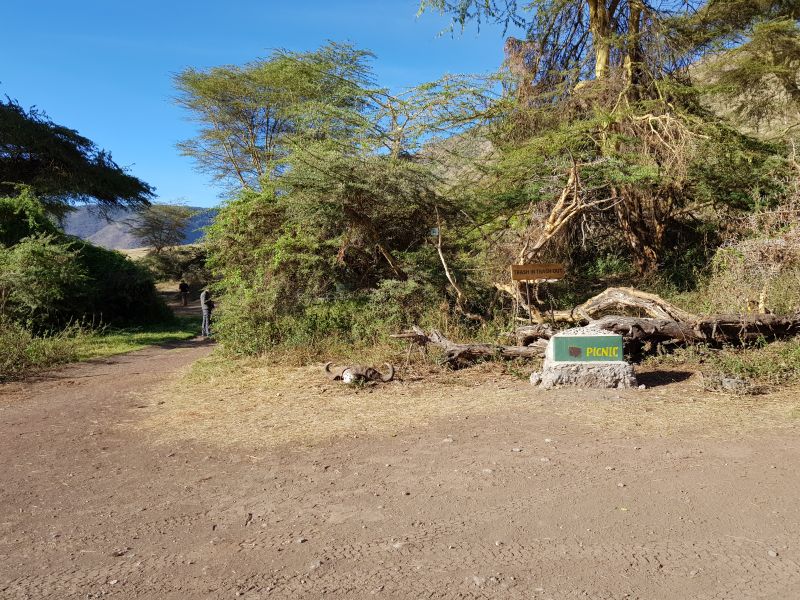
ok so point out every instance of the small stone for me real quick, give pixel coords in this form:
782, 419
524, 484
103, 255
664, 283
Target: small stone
773, 553
487, 471
447, 440
498, 543
609, 468
406, 493
544, 459
516, 449
620, 485
315, 565
693, 573
642, 387
300, 540
478, 581
547, 440
115, 581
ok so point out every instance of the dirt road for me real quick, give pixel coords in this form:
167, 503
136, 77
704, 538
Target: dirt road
513, 504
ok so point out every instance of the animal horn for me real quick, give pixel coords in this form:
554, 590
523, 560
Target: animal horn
390, 376
331, 374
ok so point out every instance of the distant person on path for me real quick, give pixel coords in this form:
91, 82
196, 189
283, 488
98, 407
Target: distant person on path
184, 289
207, 304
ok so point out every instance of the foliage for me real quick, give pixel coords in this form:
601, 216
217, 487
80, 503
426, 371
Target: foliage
247, 114
22, 216
22, 353
118, 291
48, 279
38, 276
59, 165
159, 226
347, 213
181, 263
368, 207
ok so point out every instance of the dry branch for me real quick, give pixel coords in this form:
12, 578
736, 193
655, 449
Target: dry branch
462, 355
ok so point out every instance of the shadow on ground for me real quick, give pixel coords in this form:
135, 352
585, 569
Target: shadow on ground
653, 379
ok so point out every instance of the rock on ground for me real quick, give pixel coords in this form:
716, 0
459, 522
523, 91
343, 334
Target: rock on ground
587, 375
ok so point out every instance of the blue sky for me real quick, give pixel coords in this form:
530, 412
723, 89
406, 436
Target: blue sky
105, 68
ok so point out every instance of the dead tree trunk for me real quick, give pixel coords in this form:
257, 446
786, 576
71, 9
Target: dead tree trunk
665, 325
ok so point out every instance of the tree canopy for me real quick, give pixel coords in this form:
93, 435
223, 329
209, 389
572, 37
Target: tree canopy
161, 225
59, 165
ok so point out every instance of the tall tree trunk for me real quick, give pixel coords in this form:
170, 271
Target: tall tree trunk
600, 26
633, 51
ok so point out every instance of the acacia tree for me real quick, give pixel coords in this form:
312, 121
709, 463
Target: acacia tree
59, 165
249, 115
160, 226
603, 96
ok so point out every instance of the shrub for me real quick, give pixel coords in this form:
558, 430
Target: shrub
39, 278
757, 271
21, 353
118, 290
47, 282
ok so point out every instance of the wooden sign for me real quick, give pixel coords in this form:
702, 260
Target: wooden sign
537, 271
595, 348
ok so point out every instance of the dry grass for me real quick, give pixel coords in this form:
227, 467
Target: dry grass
135, 253
249, 404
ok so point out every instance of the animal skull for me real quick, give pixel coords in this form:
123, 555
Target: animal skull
359, 373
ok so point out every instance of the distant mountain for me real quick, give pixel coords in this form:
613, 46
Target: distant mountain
110, 229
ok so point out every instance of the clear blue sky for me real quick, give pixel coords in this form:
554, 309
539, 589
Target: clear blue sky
104, 68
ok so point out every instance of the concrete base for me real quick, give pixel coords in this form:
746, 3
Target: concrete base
606, 375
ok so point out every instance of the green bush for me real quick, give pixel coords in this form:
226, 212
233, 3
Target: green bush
39, 278
49, 281
118, 291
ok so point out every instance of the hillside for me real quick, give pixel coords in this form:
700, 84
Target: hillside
110, 228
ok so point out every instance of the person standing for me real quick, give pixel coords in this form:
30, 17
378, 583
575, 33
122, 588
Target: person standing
207, 305
184, 289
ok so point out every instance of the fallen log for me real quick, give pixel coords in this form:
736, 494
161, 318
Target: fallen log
528, 334
626, 300
665, 325
616, 300
714, 330
458, 356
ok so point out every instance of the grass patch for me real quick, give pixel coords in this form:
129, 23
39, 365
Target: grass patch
108, 342
23, 354
766, 365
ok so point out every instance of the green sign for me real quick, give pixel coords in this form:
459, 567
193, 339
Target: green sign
594, 348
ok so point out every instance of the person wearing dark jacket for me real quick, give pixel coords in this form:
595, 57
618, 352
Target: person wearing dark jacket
207, 305
184, 290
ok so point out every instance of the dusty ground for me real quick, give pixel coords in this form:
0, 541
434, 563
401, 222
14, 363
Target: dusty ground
118, 484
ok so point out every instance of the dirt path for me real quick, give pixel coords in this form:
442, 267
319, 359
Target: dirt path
513, 504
